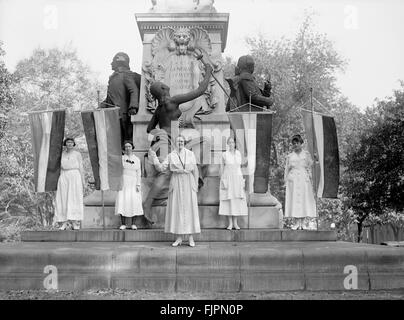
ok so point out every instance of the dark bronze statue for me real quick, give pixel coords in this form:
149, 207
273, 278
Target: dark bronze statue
167, 111
243, 86
123, 92
168, 107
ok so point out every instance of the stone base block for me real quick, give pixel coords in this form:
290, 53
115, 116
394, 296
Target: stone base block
259, 218
208, 195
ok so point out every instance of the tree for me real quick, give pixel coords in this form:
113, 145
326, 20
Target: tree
54, 79
11, 184
307, 61
6, 101
350, 122
6, 96
48, 79
375, 171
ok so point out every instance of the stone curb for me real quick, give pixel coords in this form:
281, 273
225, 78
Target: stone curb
221, 267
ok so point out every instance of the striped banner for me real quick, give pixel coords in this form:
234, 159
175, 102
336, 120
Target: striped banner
47, 128
321, 134
253, 132
103, 135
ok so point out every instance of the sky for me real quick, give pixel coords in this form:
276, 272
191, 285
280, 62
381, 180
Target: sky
367, 33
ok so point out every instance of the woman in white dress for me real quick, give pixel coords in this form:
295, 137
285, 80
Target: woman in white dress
128, 203
232, 195
69, 195
299, 199
182, 216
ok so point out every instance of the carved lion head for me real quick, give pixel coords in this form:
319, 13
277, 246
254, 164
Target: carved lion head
182, 36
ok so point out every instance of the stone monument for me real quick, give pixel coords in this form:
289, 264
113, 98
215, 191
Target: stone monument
173, 35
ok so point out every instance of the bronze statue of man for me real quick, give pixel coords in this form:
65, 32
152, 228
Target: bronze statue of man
167, 111
123, 92
244, 86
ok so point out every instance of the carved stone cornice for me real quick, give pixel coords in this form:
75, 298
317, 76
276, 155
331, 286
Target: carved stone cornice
211, 22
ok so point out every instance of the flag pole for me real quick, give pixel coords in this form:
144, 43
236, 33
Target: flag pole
249, 176
250, 105
249, 201
314, 155
102, 191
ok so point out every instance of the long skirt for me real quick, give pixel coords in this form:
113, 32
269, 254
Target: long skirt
182, 215
128, 201
232, 195
69, 196
233, 207
299, 198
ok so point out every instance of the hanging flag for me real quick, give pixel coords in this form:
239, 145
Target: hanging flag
47, 128
253, 132
322, 140
103, 135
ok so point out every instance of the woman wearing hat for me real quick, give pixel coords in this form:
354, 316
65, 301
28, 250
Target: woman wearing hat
69, 195
128, 203
299, 198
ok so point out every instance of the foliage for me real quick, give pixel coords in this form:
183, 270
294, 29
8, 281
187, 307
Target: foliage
48, 79
54, 79
309, 60
6, 96
295, 65
394, 219
370, 143
375, 170
350, 123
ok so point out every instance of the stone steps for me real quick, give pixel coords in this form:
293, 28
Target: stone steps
210, 266
158, 235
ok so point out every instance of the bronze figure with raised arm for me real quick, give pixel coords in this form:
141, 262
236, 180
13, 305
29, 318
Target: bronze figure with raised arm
168, 107
167, 111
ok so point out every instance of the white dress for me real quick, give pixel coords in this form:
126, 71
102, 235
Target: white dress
232, 195
69, 195
182, 215
128, 200
299, 199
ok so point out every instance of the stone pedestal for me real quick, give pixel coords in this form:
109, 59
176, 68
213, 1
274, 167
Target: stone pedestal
259, 216
215, 24
214, 127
